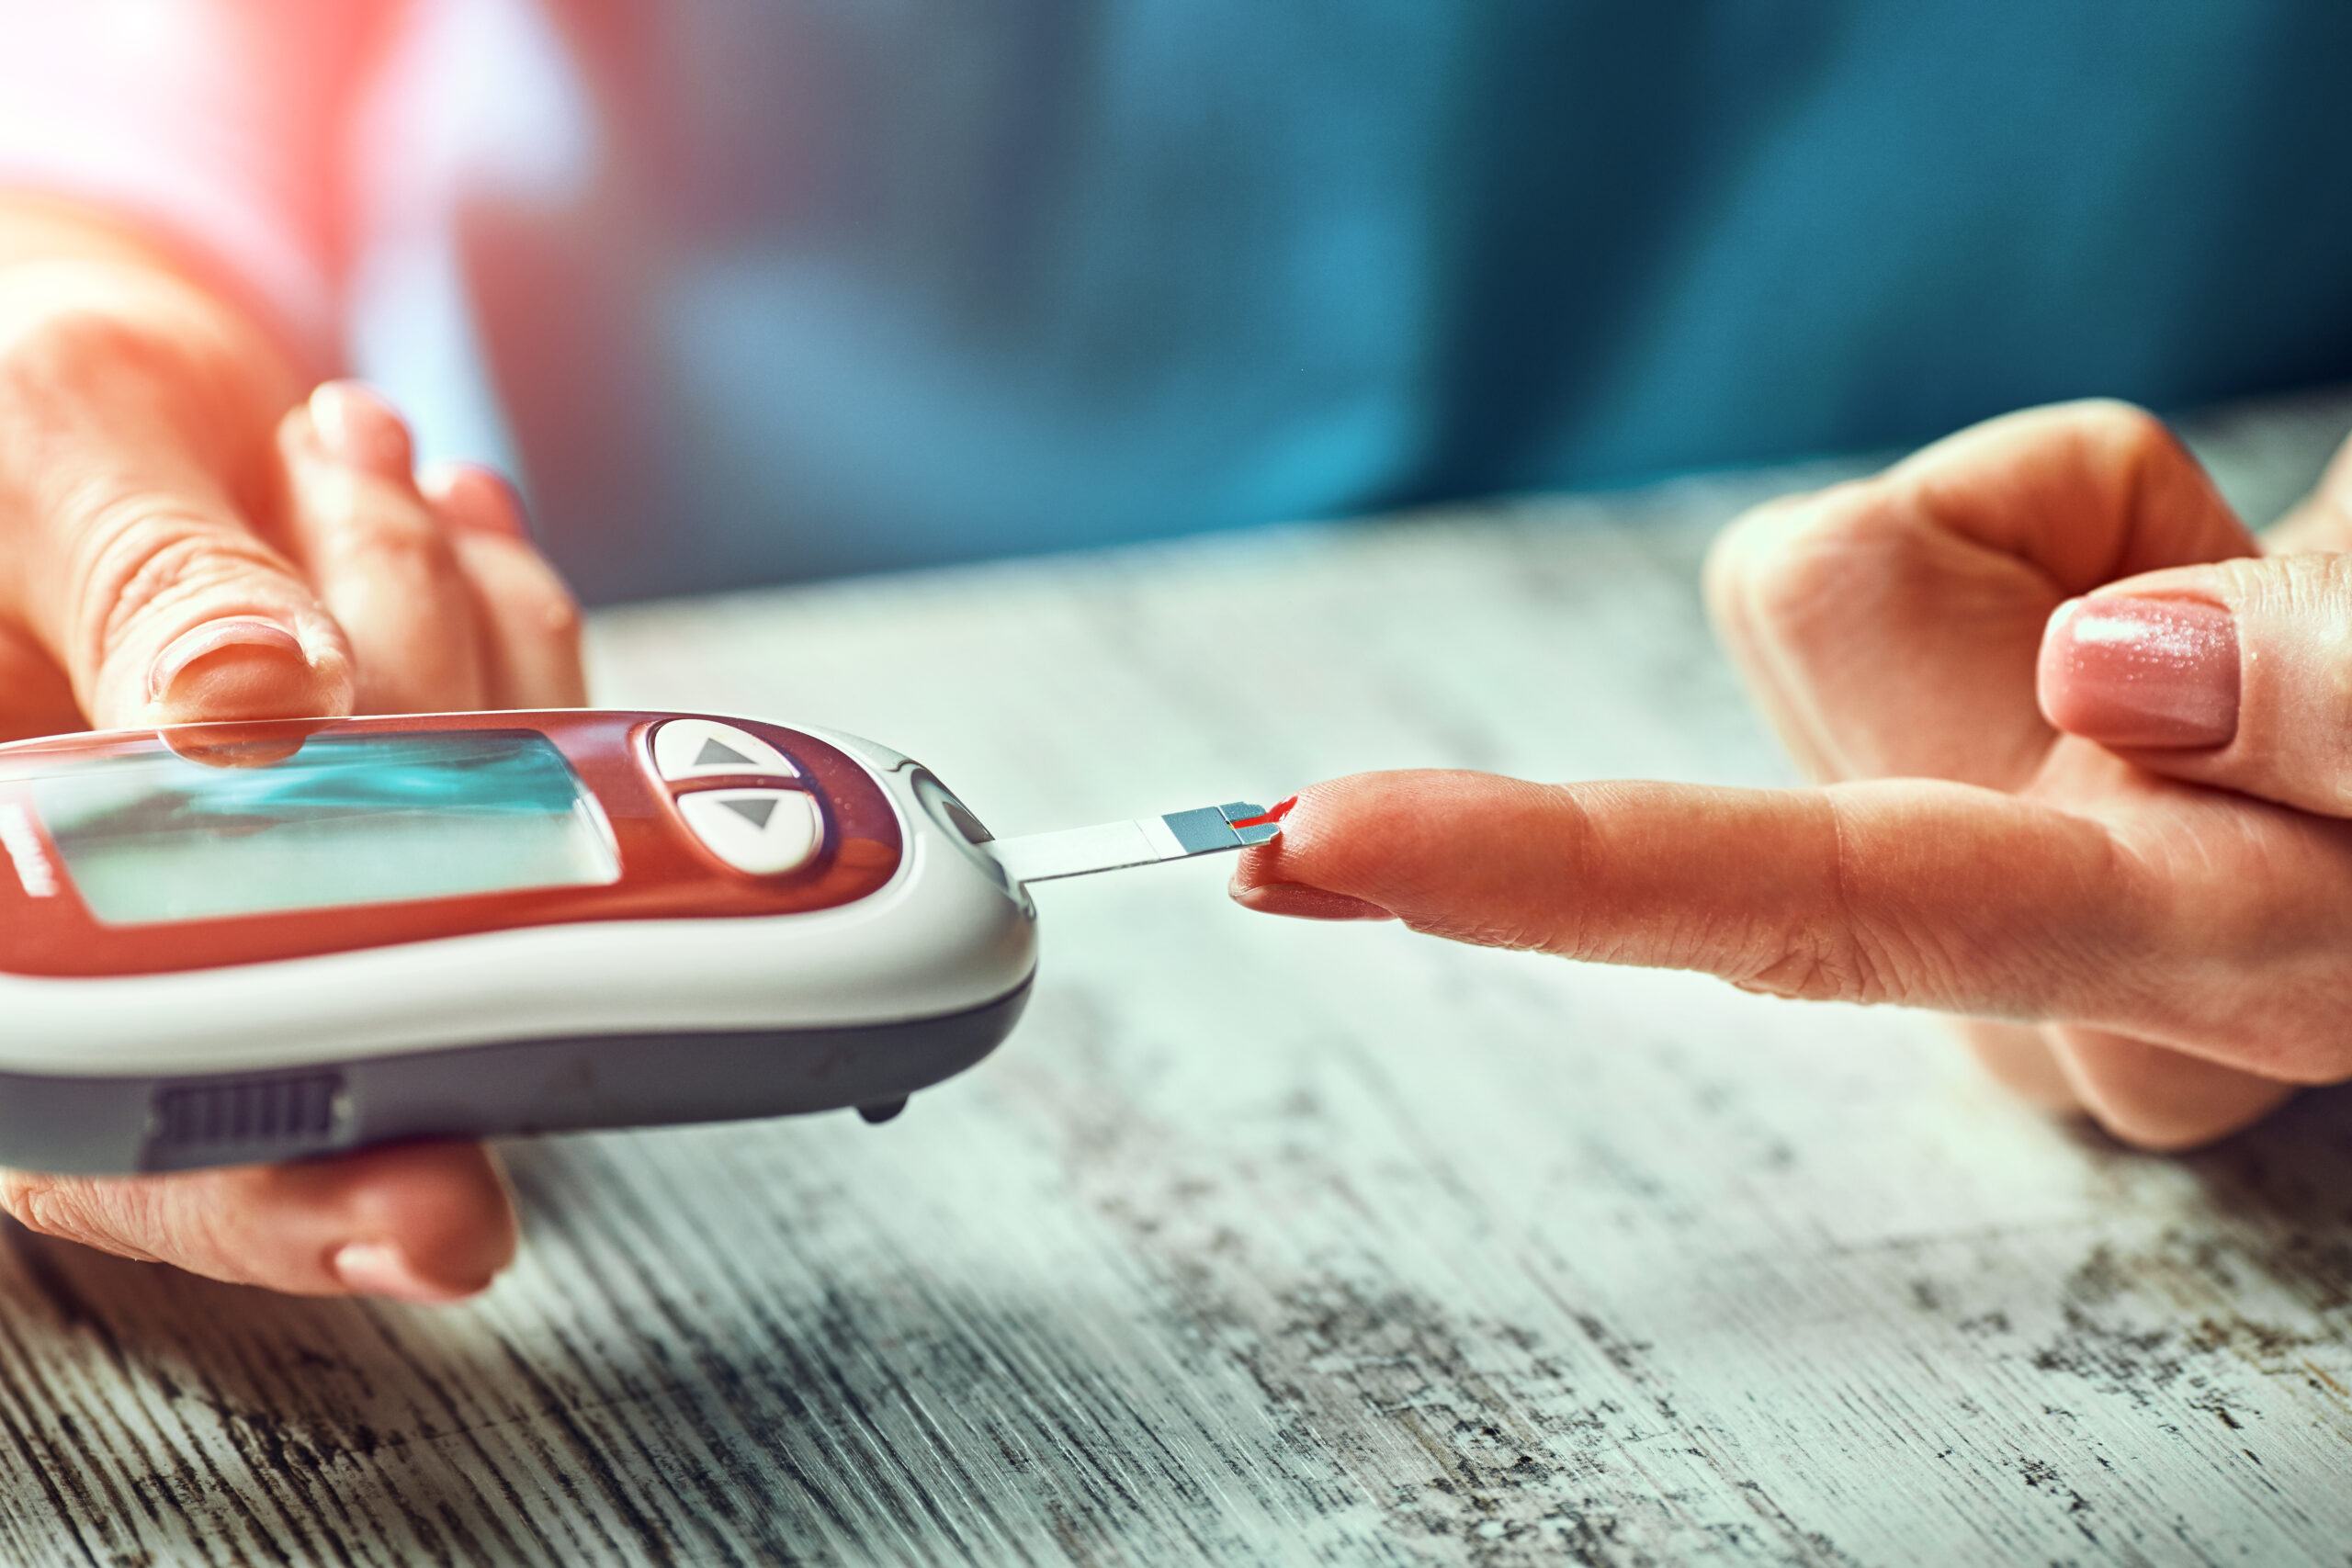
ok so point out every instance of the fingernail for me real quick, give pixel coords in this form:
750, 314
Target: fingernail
247, 634
356, 427
1303, 903
2156, 672
379, 1269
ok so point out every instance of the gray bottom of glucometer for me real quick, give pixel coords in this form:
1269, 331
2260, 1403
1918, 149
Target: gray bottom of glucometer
99, 1125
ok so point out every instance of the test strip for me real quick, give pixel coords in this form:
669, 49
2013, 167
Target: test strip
1146, 840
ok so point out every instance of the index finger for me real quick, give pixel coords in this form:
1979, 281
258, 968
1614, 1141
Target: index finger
1802, 893
1909, 891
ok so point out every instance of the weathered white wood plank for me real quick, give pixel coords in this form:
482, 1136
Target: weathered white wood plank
1264, 1241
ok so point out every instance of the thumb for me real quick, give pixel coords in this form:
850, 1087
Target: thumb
423, 1221
163, 606
2236, 675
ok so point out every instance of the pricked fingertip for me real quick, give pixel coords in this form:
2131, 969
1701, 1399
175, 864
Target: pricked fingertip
1269, 817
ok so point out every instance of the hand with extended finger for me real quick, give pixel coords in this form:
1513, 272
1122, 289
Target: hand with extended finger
183, 537
2136, 897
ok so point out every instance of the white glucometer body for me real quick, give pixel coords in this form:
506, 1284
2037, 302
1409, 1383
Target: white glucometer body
227, 943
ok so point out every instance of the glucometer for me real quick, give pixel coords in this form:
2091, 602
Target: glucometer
226, 943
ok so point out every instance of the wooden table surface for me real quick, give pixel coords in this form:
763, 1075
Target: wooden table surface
1263, 1241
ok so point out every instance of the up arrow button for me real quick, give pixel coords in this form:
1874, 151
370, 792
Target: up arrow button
704, 749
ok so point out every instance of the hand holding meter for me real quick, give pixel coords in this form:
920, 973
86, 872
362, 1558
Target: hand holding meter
223, 943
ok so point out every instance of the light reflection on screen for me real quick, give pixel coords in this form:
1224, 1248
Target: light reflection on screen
348, 819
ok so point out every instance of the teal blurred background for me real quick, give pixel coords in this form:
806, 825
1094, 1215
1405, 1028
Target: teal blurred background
826, 286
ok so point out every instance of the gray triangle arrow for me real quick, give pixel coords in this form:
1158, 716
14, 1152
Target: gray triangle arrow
715, 752
758, 811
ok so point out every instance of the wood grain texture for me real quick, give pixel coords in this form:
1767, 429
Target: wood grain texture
1269, 1242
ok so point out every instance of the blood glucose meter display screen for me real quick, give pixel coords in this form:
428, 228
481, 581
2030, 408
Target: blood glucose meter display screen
345, 820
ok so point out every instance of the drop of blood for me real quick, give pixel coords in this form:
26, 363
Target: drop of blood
1276, 815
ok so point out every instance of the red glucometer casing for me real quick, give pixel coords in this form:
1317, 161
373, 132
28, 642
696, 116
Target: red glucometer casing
222, 943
